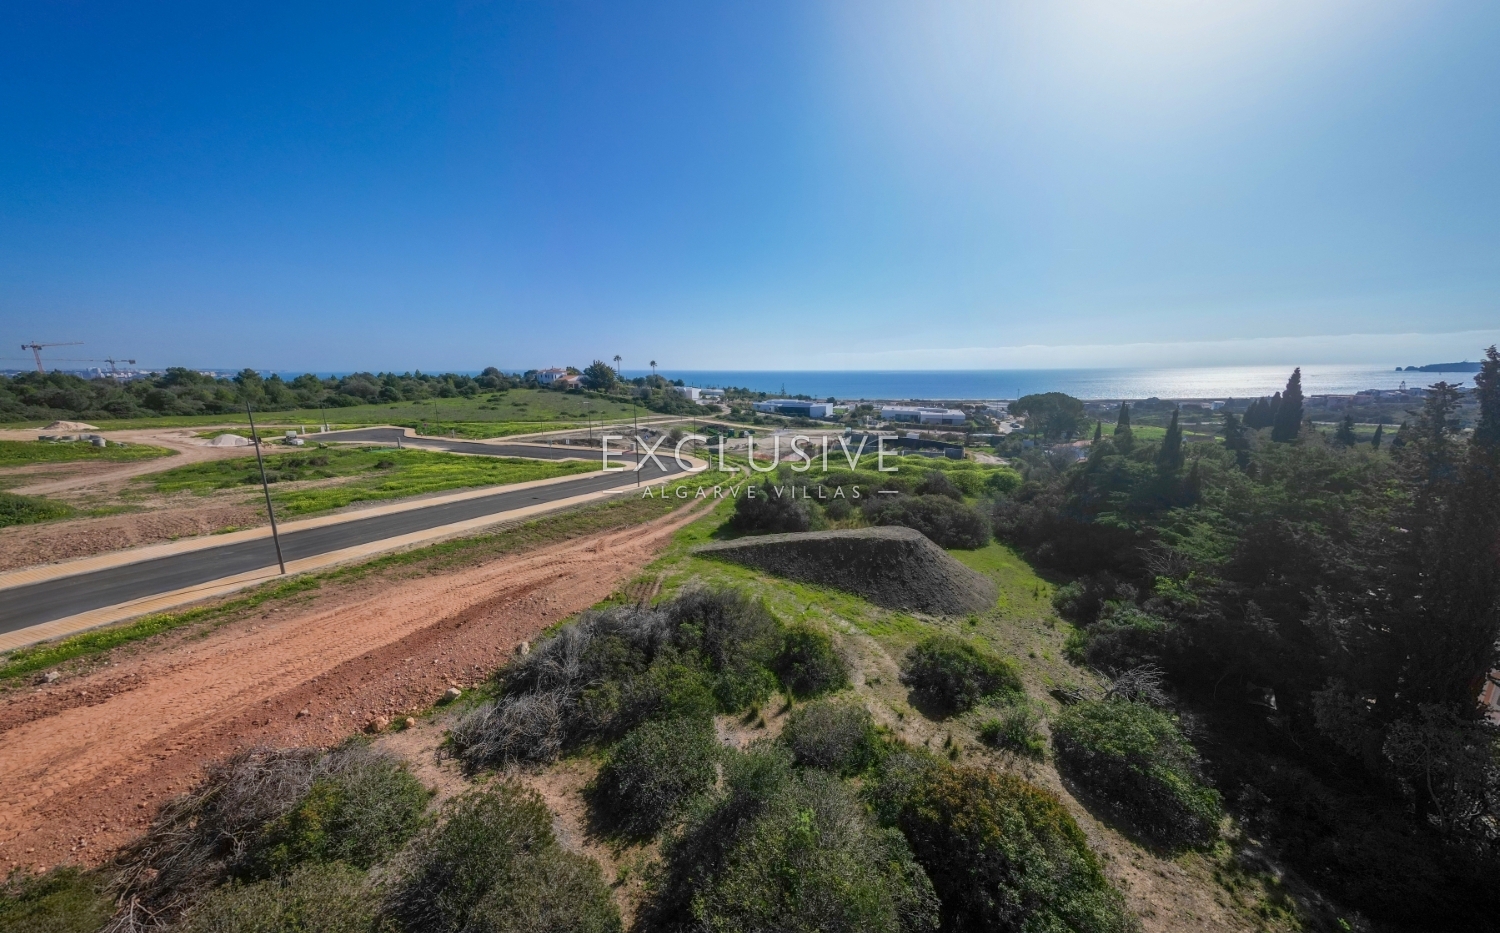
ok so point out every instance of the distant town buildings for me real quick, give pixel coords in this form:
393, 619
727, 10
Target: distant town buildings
795, 408
922, 415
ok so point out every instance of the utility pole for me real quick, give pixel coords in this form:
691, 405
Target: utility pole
324, 415
266, 487
635, 444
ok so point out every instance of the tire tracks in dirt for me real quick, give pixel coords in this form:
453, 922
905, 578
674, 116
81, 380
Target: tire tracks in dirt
85, 762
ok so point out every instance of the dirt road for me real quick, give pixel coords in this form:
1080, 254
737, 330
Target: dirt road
85, 762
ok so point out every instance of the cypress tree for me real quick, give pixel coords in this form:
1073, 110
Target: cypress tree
1487, 387
1169, 457
1344, 437
1124, 438
1098, 431
1289, 413
1379, 436
1235, 439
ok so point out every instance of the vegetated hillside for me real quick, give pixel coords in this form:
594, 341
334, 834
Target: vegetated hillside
904, 788
1329, 609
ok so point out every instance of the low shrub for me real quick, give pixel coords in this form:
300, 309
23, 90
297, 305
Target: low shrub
63, 900
1004, 854
762, 510
1122, 638
834, 735
27, 510
360, 811
937, 483
611, 670
208, 834
954, 675
737, 637
326, 898
262, 812
492, 865
1016, 730
654, 771
1081, 601
945, 522
809, 664
790, 852
1134, 759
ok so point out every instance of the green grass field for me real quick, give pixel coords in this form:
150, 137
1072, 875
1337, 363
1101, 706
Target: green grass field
28, 510
526, 409
368, 474
21, 453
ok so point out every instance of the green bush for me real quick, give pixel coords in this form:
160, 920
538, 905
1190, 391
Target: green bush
63, 900
794, 853
937, 483
611, 670
359, 812
1004, 854
492, 865
947, 523
809, 664
1016, 730
1122, 638
28, 510
326, 898
1135, 761
955, 675
837, 736
737, 637
656, 769
761, 510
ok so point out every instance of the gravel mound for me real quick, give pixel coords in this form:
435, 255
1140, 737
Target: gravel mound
230, 440
897, 568
69, 426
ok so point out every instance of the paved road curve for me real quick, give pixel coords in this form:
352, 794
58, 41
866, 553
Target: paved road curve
25, 606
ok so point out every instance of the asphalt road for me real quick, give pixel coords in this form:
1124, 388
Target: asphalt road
25, 606
534, 451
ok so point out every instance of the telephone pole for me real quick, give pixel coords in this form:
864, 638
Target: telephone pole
266, 487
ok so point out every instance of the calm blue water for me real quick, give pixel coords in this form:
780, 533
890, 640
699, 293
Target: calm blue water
1212, 382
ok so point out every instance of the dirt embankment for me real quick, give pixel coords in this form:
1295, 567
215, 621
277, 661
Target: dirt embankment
897, 568
85, 761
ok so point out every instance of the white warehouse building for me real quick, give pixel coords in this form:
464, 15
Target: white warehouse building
796, 408
923, 415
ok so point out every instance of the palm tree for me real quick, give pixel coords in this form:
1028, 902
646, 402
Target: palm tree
653, 367
617, 362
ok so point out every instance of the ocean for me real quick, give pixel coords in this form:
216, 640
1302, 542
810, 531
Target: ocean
1209, 382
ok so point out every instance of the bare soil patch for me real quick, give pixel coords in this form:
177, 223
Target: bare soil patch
86, 760
29, 545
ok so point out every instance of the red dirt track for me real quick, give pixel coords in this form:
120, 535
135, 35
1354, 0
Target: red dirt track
85, 762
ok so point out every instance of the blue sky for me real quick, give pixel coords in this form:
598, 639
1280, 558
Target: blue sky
764, 185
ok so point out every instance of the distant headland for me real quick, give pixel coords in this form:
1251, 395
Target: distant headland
1464, 367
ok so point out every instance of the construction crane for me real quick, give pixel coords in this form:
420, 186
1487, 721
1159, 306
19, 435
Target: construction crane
114, 372
36, 351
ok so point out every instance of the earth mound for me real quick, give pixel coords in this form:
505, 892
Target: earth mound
69, 426
229, 440
898, 568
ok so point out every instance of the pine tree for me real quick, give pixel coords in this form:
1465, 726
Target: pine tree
1344, 437
1289, 413
1169, 457
1379, 436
